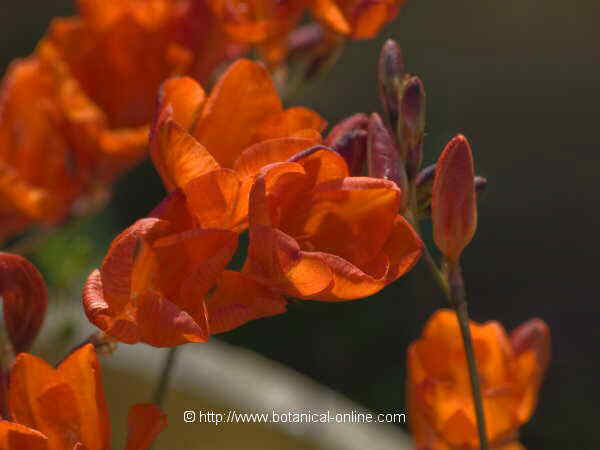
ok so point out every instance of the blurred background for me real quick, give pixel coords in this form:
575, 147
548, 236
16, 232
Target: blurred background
520, 78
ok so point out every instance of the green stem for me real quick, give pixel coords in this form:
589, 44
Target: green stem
165, 377
458, 298
453, 286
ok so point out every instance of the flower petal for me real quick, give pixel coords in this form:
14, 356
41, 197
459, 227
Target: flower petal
404, 248
61, 415
177, 156
239, 299
242, 100
14, 436
74, 386
28, 378
144, 423
531, 343
289, 122
213, 199
259, 155
185, 96
173, 208
330, 13
81, 371
321, 164
164, 324
275, 259
350, 217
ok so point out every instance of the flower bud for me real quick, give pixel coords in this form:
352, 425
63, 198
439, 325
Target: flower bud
424, 185
24, 297
358, 121
389, 79
411, 124
353, 148
383, 159
453, 202
349, 139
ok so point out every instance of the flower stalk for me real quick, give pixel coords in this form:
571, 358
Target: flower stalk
458, 299
165, 377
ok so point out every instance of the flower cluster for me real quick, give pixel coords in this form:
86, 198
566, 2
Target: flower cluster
75, 114
233, 161
332, 217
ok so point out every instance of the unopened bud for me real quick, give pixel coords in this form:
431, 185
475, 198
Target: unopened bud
453, 201
357, 121
25, 298
349, 139
424, 186
389, 79
353, 148
411, 124
383, 159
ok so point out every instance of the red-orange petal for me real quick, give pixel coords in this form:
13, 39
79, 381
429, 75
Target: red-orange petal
145, 422
74, 386
275, 259
173, 208
290, 121
81, 370
14, 436
321, 164
162, 323
329, 12
259, 155
238, 299
177, 156
25, 299
185, 96
242, 100
213, 198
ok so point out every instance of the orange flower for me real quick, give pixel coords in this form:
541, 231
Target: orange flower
269, 23
163, 280
76, 113
257, 21
316, 233
359, 19
38, 180
65, 408
228, 137
439, 392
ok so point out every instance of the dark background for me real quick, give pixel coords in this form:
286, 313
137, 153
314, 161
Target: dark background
520, 79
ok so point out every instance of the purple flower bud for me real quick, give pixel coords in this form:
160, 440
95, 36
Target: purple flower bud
383, 159
390, 76
353, 148
358, 121
411, 124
